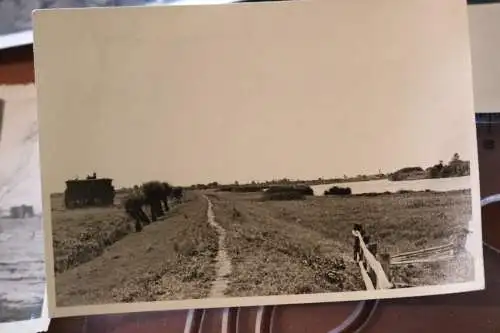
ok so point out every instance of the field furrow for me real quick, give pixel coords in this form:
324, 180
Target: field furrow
274, 257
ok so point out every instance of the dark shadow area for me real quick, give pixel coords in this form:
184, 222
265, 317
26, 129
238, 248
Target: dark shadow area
481, 2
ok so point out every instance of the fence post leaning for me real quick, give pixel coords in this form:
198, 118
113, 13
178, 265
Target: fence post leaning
372, 270
355, 248
357, 253
385, 261
372, 247
366, 240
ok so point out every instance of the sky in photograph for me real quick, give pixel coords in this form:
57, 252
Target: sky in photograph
19, 158
239, 92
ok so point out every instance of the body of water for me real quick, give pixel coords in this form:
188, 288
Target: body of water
384, 185
22, 272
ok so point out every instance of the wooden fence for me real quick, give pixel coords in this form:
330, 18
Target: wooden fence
374, 271
375, 267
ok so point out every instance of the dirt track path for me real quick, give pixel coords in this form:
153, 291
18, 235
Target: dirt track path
222, 261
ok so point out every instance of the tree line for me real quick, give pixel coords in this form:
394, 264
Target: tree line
153, 194
456, 167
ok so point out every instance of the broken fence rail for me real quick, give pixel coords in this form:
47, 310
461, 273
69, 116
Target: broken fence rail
376, 272
421, 261
436, 249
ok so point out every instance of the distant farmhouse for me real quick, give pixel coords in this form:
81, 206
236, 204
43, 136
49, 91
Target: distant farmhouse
455, 168
21, 212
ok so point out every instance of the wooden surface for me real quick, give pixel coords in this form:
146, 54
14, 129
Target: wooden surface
16, 65
471, 312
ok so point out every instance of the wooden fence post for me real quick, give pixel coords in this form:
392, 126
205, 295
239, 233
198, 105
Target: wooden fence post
385, 262
372, 271
357, 247
366, 240
372, 247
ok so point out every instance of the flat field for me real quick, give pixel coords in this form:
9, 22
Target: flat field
274, 247
303, 246
169, 259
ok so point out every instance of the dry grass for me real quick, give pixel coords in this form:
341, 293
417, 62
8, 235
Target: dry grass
435, 273
276, 247
306, 245
400, 222
273, 257
79, 235
170, 259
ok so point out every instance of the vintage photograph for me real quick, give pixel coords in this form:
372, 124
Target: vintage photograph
208, 167
22, 269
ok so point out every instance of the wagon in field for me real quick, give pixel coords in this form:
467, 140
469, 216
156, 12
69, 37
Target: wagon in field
89, 192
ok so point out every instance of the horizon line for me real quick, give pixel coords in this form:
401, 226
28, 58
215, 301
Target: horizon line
258, 182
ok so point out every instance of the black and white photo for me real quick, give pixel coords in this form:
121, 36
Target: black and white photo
22, 269
263, 153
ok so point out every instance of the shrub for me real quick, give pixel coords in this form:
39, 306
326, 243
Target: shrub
338, 191
286, 195
224, 188
404, 191
369, 194
247, 188
287, 192
304, 189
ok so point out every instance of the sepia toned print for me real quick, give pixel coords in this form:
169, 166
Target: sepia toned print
203, 167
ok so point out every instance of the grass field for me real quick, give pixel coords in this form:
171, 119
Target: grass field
275, 247
169, 259
306, 245
79, 235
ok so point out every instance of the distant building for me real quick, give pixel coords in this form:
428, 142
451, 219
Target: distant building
21, 212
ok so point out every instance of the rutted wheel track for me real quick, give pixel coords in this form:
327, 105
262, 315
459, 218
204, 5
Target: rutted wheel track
222, 260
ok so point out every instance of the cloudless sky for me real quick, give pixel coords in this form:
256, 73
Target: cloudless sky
19, 160
225, 93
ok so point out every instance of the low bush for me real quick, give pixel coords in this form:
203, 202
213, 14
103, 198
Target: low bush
290, 195
338, 191
286, 192
241, 188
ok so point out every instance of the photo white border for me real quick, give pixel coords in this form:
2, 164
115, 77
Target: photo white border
208, 303
212, 303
